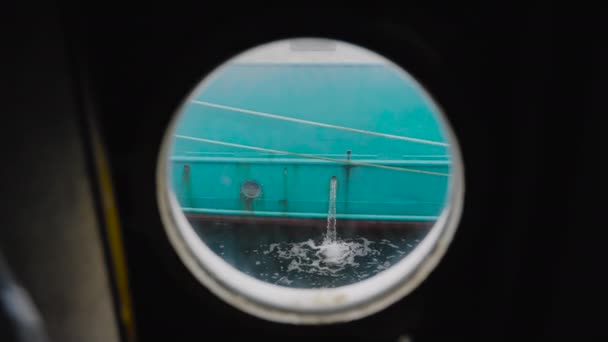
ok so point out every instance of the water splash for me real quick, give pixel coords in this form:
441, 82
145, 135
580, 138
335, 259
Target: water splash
301, 258
330, 237
308, 263
334, 260
324, 261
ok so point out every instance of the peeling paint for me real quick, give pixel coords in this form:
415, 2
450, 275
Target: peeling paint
346, 185
285, 201
186, 187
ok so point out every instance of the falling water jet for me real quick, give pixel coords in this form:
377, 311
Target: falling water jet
333, 250
330, 263
330, 236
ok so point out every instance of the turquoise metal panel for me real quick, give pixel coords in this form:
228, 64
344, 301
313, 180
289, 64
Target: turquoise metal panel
207, 177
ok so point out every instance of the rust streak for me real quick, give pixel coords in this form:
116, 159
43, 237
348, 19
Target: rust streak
310, 222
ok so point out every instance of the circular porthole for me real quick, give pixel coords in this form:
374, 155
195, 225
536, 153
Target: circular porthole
363, 182
251, 189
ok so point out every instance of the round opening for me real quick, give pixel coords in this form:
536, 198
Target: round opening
251, 189
363, 182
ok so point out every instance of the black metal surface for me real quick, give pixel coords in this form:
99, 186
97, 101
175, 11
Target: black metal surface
49, 233
523, 89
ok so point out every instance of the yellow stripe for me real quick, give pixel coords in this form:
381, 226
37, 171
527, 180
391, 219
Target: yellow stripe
114, 238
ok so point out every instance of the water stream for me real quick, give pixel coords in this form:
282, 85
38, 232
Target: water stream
309, 257
330, 237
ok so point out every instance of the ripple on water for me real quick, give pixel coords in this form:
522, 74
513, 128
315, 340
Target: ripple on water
324, 264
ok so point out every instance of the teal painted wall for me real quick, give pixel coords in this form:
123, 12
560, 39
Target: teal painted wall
368, 97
